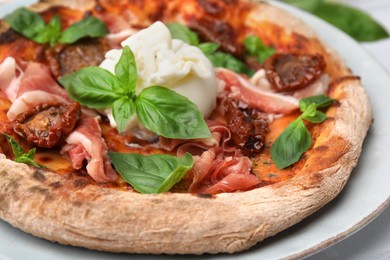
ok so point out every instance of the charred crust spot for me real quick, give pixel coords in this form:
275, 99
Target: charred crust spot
37, 175
77, 203
3, 173
55, 185
80, 183
39, 189
205, 196
321, 148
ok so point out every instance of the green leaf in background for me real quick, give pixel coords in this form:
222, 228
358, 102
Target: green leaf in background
183, 33
151, 174
28, 23
307, 5
217, 58
32, 26
354, 22
357, 23
226, 60
254, 46
53, 30
208, 47
88, 27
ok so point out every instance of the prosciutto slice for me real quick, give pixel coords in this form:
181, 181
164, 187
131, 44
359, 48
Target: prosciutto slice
212, 175
35, 87
86, 143
9, 78
257, 91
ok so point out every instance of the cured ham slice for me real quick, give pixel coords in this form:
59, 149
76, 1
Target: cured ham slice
257, 91
242, 89
212, 175
86, 143
36, 87
9, 80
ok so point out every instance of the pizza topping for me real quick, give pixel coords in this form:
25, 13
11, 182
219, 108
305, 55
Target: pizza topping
31, 25
36, 87
47, 125
19, 155
151, 174
66, 59
159, 109
248, 126
255, 47
289, 72
210, 49
213, 174
296, 139
240, 88
86, 143
10, 76
218, 31
171, 63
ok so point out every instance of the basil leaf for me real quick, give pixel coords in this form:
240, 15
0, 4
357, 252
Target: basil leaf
319, 101
225, 60
352, 21
317, 117
93, 87
52, 31
169, 114
126, 70
255, 47
179, 31
123, 109
88, 27
291, 144
28, 23
20, 156
151, 174
208, 47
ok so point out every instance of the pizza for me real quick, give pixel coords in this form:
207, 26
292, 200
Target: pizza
178, 127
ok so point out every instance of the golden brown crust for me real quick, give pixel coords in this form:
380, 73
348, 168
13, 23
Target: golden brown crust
64, 208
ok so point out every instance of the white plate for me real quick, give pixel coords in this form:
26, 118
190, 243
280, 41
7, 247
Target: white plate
366, 195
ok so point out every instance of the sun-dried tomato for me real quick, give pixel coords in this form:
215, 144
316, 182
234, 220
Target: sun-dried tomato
289, 72
48, 124
247, 125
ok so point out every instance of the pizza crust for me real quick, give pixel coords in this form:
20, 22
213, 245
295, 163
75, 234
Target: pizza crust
66, 209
